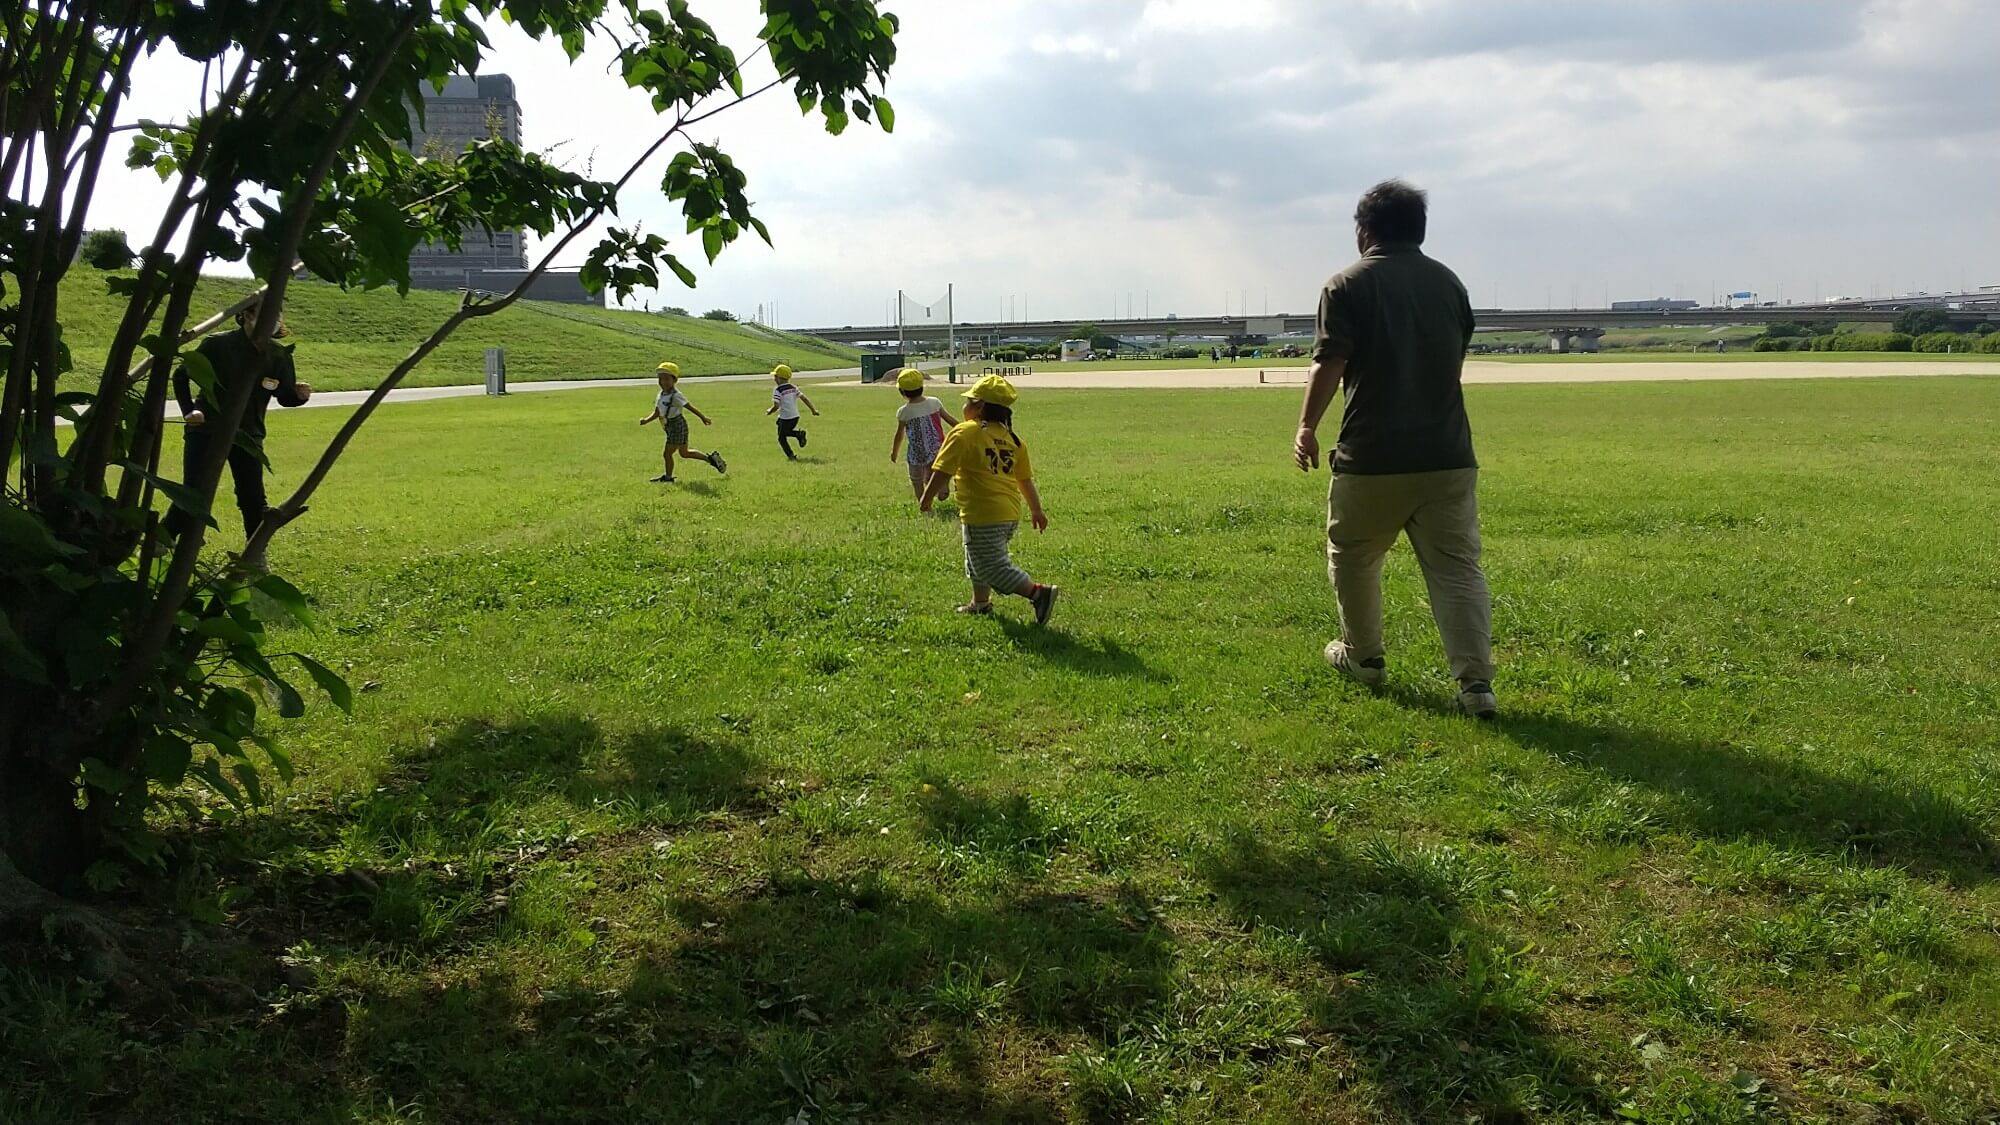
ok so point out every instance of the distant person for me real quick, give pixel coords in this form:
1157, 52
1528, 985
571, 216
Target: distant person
988, 462
671, 408
920, 430
785, 400
1233, 353
1214, 354
1392, 333
233, 358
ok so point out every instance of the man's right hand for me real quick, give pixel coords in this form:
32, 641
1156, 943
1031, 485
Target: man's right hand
194, 418
1305, 450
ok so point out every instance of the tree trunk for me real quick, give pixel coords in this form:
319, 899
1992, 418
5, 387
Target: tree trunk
47, 838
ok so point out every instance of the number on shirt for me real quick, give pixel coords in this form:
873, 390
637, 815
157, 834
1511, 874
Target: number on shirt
1001, 461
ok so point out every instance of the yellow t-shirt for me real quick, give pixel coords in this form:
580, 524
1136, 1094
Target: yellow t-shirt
987, 465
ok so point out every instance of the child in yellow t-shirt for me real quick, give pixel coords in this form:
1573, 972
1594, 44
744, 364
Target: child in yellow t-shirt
986, 459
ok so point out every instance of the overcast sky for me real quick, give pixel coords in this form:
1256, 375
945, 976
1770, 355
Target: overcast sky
1057, 158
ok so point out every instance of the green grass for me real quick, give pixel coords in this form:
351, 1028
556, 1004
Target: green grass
349, 339
699, 804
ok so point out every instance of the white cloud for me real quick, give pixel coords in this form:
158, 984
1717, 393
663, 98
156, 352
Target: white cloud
1066, 152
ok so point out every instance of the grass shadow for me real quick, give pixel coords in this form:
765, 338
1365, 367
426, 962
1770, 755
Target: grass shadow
1441, 1013
1729, 792
1098, 656
698, 487
842, 999
430, 853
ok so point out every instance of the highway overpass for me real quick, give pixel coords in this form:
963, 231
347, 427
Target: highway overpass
1973, 309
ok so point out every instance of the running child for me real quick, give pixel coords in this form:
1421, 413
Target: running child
922, 422
668, 407
987, 460
785, 400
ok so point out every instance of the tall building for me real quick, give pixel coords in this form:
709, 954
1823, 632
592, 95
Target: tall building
468, 109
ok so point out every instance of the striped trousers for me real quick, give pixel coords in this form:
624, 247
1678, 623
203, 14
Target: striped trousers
986, 561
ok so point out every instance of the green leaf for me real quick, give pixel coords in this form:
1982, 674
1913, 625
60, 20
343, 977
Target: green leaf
280, 761
329, 681
711, 242
166, 759
179, 495
276, 599
209, 772
223, 629
28, 539
97, 774
681, 271
16, 657
885, 113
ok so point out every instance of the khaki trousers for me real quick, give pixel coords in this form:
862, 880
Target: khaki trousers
1440, 513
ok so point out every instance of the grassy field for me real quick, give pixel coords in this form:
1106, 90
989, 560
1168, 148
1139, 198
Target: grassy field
698, 803
349, 340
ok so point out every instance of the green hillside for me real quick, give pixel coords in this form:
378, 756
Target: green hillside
348, 339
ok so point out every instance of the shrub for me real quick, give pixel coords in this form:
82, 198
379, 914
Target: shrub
675, 310
1919, 322
1010, 355
1943, 342
719, 314
1983, 330
1782, 344
1989, 344
106, 250
1182, 352
1868, 342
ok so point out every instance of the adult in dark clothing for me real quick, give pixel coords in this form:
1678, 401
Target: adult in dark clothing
234, 357
1392, 333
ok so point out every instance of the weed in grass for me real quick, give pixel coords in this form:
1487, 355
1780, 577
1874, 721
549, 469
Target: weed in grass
1667, 984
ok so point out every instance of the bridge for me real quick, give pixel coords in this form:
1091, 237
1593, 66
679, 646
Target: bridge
1585, 326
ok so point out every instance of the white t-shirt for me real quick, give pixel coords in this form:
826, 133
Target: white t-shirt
923, 429
669, 404
786, 398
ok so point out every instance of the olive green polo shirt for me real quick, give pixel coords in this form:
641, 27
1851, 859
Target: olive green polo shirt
1401, 321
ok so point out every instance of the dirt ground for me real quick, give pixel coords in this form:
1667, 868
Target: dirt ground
1489, 371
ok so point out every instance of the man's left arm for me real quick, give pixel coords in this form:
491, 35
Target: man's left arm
290, 391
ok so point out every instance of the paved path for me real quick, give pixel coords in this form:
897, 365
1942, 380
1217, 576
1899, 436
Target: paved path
428, 394
1191, 378
1491, 371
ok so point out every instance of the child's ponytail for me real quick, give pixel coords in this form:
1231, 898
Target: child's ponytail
1004, 415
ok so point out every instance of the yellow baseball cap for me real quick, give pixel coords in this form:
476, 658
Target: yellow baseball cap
781, 372
909, 379
993, 389
669, 368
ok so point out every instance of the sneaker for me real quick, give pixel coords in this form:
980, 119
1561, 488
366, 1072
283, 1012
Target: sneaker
1477, 700
801, 435
716, 462
1044, 601
976, 609
1368, 673
661, 479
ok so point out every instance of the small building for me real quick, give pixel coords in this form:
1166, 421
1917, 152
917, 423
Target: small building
553, 285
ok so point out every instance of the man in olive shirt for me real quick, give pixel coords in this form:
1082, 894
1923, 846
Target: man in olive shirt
233, 357
1393, 328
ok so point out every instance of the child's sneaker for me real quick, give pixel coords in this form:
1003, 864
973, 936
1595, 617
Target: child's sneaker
716, 462
1368, 673
801, 435
661, 479
1044, 601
